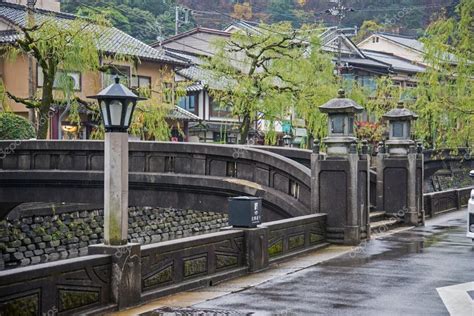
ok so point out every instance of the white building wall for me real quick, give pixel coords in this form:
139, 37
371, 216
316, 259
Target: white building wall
385, 46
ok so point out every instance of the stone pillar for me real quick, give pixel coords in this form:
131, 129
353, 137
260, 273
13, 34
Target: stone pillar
400, 186
339, 179
256, 241
400, 170
116, 189
126, 280
340, 188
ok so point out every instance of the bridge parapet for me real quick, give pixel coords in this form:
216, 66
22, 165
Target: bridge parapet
174, 164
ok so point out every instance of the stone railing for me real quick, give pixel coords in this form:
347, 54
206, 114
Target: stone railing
84, 285
289, 237
192, 262
185, 167
445, 201
61, 288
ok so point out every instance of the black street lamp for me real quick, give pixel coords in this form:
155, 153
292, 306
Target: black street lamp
287, 140
116, 103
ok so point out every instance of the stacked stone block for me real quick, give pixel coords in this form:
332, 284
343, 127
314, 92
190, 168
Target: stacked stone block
38, 239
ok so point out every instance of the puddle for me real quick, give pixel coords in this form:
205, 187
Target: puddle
396, 246
178, 311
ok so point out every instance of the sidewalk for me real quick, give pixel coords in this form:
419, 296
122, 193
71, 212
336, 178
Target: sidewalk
189, 298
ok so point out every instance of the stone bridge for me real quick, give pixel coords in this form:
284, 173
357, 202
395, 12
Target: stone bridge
162, 174
178, 175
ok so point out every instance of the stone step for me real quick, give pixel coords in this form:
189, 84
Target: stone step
377, 216
383, 226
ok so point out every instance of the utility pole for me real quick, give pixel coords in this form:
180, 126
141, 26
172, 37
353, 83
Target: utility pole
178, 21
339, 10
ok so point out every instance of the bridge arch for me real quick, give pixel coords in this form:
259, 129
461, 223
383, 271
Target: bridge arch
164, 174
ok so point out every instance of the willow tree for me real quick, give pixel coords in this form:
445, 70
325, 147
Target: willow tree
273, 71
311, 76
58, 47
445, 92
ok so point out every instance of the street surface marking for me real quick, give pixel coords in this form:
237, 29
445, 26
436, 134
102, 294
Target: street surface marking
457, 299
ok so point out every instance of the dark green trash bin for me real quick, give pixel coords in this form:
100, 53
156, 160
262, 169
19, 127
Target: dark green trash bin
245, 211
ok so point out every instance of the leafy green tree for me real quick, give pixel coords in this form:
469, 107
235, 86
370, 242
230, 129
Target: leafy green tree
143, 19
57, 48
366, 29
275, 72
445, 92
13, 126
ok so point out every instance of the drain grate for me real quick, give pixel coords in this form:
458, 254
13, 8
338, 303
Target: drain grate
176, 311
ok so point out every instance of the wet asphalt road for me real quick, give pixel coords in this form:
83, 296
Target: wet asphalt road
393, 275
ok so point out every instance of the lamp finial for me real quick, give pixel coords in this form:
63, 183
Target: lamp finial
341, 93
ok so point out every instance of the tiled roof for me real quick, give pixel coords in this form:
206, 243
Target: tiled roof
405, 41
206, 77
7, 37
195, 87
397, 63
111, 40
181, 114
191, 32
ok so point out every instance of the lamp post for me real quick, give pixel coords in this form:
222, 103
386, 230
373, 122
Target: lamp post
399, 128
341, 112
287, 140
116, 104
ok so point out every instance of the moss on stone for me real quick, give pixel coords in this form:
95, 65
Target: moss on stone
70, 299
276, 248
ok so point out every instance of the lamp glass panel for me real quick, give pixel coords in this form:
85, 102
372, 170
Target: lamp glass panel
397, 129
115, 112
105, 115
337, 124
351, 125
128, 115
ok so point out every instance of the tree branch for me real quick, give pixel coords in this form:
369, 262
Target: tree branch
28, 102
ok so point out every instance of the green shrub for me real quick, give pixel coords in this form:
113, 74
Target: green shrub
13, 126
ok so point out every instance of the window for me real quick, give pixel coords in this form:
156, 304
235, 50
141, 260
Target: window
123, 72
141, 82
231, 139
397, 129
190, 103
143, 85
337, 124
219, 111
59, 80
